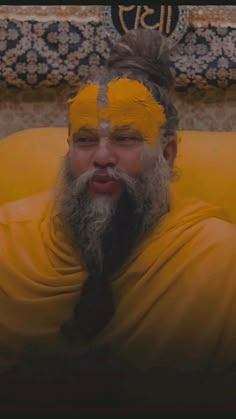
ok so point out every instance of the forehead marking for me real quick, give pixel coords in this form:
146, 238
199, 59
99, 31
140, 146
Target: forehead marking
102, 98
102, 101
122, 102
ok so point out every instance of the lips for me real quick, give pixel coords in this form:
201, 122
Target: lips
103, 184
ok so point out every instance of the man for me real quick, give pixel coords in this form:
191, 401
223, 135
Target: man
110, 258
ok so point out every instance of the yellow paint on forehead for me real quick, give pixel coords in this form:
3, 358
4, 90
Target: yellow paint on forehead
129, 103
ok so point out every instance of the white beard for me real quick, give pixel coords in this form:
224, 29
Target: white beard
89, 219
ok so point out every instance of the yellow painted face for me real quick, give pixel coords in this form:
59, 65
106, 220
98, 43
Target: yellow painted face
129, 103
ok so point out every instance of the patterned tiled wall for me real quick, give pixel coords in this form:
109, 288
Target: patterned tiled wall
204, 62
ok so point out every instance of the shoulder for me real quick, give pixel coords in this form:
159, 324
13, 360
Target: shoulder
202, 220
217, 231
30, 208
212, 250
197, 233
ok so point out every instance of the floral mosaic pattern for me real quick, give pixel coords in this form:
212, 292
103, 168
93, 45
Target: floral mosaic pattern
35, 54
206, 58
43, 54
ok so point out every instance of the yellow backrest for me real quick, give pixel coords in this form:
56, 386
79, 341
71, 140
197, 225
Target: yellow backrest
30, 160
206, 162
207, 168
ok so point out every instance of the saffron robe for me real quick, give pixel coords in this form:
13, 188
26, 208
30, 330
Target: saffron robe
175, 295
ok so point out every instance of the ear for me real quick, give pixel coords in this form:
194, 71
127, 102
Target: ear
170, 151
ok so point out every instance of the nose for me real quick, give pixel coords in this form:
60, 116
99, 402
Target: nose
105, 154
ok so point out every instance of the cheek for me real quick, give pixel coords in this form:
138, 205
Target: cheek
79, 162
132, 162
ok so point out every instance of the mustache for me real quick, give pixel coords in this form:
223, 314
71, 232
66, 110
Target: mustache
114, 173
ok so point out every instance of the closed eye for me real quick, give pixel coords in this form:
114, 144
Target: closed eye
127, 139
85, 140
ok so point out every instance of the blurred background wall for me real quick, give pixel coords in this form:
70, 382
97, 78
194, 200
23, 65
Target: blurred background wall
46, 50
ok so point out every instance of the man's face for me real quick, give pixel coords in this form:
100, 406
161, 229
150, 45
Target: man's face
109, 126
104, 148
115, 181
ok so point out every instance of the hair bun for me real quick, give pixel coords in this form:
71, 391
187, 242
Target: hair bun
143, 52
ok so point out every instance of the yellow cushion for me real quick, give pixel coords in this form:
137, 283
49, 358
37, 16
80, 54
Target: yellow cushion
29, 161
206, 161
207, 168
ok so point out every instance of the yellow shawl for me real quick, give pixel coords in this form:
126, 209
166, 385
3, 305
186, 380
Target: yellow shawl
174, 296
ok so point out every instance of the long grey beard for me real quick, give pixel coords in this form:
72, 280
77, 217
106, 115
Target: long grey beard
105, 233
102, 228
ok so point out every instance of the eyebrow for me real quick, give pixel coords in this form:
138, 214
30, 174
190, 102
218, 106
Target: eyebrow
116, 131
126, 128
84, 131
